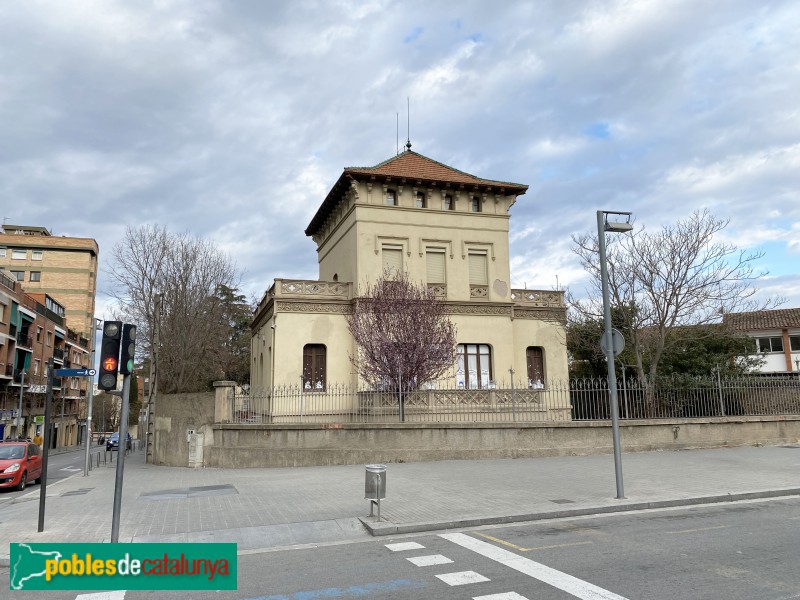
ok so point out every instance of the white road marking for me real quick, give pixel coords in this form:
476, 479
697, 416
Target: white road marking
427, 561
71, 469
462, 578
562, 581
116, 595
503, 596
404, 546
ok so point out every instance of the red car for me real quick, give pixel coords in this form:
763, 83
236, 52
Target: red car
20, 462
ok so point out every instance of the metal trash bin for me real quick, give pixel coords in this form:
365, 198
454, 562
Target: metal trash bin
375, 486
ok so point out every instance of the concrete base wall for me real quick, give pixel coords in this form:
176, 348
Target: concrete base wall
176, 415
334, 444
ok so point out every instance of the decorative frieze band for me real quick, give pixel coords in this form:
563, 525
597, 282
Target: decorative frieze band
315, 307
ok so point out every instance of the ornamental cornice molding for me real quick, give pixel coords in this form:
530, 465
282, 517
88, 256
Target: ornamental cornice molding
315, 307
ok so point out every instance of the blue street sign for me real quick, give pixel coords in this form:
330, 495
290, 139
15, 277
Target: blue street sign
75, 372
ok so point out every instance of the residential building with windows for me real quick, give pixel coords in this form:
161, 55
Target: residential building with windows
32, 331
777, 335
63, 267
446, 229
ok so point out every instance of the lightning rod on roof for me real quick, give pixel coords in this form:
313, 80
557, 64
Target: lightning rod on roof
408, 113
397, 141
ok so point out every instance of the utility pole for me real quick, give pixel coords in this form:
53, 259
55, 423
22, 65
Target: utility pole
21, 390
153, 391
91, 399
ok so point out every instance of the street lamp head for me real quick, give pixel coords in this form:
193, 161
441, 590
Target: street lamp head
617, 226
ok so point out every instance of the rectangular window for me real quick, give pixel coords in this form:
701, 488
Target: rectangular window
392, 258
18, 275
449, 203
19, 254
314, 367
475, 204
391, 198
770, 344
36, 254
534, 356
36, 366
435, 259
421, 200
794, 343
2, 251
38, 334
35, 276
49, 338
478, 268
474, 366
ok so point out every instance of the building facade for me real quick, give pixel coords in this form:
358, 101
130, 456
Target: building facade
32, 331
446, 229
777, 335
63, 267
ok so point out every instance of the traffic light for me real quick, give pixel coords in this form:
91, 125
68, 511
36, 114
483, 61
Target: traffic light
128, 349
109, 355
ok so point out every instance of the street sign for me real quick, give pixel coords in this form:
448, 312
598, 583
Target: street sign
75, 372
617, 343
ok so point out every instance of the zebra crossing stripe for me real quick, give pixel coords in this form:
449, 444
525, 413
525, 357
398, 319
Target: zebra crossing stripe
557, 579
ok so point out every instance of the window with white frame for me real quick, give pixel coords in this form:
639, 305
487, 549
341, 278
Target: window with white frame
770, 344
18, 275
17, 254
2, 251
794, 343
449, 203
37, 254
474, 366
391, 198
392, 258
421, 200
35, 276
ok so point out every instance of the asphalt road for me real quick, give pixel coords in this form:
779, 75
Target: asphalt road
738, 551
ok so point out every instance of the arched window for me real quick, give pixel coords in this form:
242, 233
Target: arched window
474, 365
314, 367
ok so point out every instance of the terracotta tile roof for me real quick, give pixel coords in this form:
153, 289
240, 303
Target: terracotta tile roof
412, 167
763, 319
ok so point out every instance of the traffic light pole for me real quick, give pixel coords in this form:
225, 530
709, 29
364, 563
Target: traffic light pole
122, 447
46, 449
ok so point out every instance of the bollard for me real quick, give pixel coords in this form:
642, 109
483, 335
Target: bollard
375, 486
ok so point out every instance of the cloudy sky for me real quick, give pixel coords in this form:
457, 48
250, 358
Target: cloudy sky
232, 120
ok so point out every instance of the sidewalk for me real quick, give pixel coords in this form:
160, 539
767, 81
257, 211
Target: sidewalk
264, 508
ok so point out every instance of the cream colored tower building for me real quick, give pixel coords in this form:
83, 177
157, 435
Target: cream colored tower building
446, 229
63, 267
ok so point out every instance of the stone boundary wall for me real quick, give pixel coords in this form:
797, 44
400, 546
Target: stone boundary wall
240, 446
216, 442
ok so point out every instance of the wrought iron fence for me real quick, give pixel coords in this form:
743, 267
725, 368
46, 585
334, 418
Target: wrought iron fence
573, 400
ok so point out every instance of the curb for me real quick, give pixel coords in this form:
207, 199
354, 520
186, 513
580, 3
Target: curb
386, 528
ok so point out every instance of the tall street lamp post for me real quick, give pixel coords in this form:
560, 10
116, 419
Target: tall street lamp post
98, 326
603, 225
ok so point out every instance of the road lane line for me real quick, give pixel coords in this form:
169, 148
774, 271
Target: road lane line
427, 561
404, 546
557, 579
462, 578
700, 529
502, 596
521, 549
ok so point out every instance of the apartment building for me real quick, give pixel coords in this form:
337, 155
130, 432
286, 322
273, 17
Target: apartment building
63, 267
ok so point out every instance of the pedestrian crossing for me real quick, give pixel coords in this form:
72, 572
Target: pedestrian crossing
562, 581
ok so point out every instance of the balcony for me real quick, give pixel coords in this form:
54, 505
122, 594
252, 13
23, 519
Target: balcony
8, 371
24, 341
58, 355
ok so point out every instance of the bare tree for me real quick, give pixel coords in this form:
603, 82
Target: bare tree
188, 272
676, 277
403, 335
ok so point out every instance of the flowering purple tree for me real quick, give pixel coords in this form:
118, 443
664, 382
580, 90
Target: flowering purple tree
403, 335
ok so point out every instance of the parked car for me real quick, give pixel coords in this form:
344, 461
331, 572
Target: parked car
20, 462
112, 443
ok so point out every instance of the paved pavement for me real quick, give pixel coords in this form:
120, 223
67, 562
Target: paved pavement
265, 508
